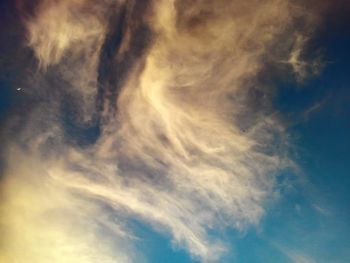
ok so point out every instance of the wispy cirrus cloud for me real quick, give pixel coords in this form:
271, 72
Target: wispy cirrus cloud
178, 129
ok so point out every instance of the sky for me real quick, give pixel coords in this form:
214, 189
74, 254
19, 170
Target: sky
174, 131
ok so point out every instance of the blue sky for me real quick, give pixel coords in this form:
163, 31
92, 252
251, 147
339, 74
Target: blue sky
310, 223
307, 221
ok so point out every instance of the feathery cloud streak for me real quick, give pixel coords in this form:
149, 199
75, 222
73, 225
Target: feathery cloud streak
185, 140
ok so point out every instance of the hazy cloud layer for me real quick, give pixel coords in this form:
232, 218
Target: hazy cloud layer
150, 110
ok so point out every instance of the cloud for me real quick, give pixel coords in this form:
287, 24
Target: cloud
186, 142
41, 221
298, 257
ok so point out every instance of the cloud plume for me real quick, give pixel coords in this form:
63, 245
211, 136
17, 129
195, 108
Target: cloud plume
153, 111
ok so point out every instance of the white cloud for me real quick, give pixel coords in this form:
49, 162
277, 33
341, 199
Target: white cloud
176, 155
